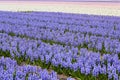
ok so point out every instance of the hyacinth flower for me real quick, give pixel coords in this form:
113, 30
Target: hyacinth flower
20, 72
85, 56
25, 31
32, 38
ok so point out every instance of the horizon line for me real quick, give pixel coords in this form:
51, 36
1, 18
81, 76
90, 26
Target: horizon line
62, 1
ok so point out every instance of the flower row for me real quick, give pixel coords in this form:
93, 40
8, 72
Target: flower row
85, 62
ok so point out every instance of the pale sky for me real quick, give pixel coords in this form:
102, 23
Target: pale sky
60, 0
97, 8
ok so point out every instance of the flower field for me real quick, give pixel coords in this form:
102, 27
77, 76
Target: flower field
44, 45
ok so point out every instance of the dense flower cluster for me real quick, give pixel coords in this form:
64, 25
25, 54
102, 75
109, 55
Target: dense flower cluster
94, 31
71, 41
10, 70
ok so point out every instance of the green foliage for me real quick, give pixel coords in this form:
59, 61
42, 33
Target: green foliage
51, 42
26, 11
5, 53
119, 55
60, 70
11, 34
14, 74
66, 30
73, 60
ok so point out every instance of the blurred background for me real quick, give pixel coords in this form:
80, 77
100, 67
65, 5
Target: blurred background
99, 7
